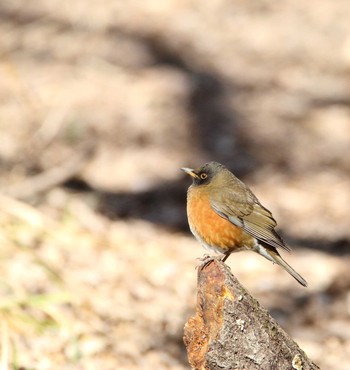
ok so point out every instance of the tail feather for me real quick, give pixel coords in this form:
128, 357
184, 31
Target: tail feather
272, 255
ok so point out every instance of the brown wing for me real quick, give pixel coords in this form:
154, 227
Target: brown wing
245, 211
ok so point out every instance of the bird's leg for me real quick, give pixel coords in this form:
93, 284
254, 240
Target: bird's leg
226, 256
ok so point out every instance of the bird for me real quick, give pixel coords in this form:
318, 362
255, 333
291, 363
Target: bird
225, 216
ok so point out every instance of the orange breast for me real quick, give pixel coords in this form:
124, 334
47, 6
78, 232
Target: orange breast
208, 226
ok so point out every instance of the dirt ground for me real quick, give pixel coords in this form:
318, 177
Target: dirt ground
101, 104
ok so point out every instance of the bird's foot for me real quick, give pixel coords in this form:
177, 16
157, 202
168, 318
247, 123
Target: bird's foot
206, 260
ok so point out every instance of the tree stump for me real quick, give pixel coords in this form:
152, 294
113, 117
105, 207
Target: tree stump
232, 331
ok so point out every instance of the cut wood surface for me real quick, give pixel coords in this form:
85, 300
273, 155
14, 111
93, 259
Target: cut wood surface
232, 331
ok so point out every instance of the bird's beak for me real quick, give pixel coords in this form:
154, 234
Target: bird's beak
190, 171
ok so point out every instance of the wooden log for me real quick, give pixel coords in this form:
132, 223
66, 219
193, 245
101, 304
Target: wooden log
232, 331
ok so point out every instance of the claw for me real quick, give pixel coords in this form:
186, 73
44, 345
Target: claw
206, 260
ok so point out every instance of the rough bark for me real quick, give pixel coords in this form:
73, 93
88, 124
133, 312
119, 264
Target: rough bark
232, 331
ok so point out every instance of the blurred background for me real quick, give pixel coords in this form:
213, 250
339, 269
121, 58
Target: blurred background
101, 103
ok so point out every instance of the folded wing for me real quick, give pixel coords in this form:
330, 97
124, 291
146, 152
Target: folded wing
248, 214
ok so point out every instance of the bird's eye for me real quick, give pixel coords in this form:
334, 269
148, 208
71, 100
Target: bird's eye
203, 176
